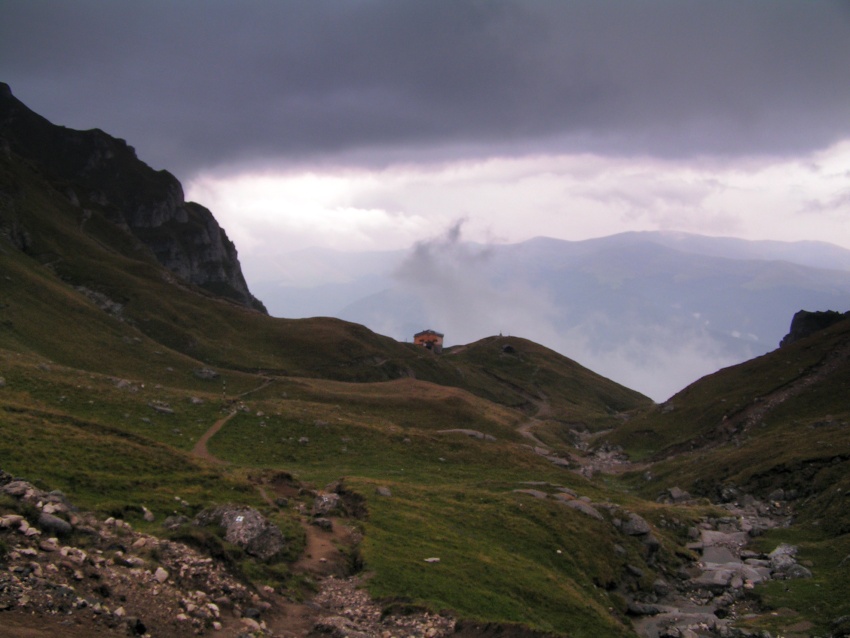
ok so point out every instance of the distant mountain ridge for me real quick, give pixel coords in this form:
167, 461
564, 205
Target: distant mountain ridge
155, 404
653, 310
94, 166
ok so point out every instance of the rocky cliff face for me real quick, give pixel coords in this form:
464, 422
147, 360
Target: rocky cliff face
806, 323
184, 236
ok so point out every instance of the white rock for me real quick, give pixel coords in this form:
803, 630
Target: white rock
10, 520
49, 545
161, 575
251, 624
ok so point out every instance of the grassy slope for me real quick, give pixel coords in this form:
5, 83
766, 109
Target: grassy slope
328, 399
780, 420
42, 312
80, 383
797, 439
547, 384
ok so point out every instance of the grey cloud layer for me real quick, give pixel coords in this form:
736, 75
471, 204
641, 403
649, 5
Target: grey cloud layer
194, 84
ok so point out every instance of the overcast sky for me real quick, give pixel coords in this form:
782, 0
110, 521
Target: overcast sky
370, 124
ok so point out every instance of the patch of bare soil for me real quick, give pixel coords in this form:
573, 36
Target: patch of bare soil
200, 448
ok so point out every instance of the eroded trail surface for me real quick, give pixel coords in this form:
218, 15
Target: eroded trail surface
340, 606
200, 448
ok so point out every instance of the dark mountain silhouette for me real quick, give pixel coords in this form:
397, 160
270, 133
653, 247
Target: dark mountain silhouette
92, 166
173, 461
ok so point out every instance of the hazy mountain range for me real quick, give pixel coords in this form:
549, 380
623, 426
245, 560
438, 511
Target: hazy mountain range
501, 489
652, 310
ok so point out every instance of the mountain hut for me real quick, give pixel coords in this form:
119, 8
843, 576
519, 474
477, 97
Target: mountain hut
430, 339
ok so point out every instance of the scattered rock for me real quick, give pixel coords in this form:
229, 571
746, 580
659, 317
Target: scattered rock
325, 503
635, 525
161, 575
10, 520
475, 434
107, 582
49, 545
135, 626
207, 374
642, 609
798, 571
383, 491
161, 407
173, 522
54, 525
348, 612
350, 503
18, 489
585, 508
251, 624
532, 493
676, 495
782, 558
776, 495
324, 523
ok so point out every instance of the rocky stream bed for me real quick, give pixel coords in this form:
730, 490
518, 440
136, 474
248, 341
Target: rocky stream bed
115, 581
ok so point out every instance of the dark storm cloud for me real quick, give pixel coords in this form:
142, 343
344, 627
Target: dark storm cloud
197, 84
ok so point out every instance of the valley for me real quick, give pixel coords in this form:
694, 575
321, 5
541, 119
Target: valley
177, 462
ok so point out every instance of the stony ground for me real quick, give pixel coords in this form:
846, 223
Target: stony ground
70, 573
112, 580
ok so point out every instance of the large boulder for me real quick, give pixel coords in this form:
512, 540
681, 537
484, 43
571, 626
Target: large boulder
635, 525
782, 558
338, 499
18, 489
325, 503
54, 525
585, 508
245, 527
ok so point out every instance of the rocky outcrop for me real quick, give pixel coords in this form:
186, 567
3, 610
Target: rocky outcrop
807, 323
247, 528
96, 169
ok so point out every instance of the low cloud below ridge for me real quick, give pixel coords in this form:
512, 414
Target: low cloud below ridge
629, 307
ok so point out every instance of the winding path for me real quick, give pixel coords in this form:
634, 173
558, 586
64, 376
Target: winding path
323, 556
200, 448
